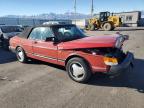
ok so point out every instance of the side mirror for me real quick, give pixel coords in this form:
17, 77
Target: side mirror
50, 39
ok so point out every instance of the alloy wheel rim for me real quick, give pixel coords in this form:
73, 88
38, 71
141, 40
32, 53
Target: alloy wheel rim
20, 55
77, 71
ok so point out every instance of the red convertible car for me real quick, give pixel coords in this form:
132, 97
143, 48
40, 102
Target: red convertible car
68, 46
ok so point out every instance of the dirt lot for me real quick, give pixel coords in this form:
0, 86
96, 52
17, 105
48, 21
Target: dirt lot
42, 85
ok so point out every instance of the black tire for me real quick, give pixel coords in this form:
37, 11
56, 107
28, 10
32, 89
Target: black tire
86, 27
23, 57
113, 28
85, 76
107, 26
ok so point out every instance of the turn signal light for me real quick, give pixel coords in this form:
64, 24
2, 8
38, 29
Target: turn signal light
110, 61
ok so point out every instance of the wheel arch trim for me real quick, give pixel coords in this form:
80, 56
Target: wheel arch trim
76, 55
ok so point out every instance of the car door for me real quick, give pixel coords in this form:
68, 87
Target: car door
26, 44
42, 49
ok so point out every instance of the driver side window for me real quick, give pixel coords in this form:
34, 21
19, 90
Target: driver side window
41, 33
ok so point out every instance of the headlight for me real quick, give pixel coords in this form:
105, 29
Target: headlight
119, 41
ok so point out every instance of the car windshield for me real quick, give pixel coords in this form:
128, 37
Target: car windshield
9, 29
68, 33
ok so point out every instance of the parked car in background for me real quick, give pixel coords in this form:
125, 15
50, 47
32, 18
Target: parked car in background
7, 32
66, 45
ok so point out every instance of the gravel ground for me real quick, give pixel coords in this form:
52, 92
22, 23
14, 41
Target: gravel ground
42, 85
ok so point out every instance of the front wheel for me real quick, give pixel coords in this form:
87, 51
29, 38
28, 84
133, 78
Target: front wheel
78, 70
21, 56
107, 26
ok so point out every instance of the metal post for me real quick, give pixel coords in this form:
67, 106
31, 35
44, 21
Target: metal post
92, 8
18, 21
33, 22
75, 3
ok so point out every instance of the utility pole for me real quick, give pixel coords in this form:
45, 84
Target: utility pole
92, 8
75, 7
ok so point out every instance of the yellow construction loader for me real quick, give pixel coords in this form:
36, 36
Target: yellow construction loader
106, 21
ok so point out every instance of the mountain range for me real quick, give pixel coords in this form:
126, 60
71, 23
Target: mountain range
65, 16
68, 15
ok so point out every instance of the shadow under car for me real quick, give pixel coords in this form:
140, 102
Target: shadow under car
133, 78
6, 56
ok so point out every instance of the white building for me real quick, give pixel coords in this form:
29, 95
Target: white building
130, 19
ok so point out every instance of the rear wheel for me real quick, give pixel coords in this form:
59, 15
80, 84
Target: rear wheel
107, 26
78, 70
21, 56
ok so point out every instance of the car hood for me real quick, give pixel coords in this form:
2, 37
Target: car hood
90, 42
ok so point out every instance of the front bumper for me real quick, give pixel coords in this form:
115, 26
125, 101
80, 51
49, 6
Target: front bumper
128, 61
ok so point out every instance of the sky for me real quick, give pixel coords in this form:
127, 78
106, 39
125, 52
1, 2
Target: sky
34, 7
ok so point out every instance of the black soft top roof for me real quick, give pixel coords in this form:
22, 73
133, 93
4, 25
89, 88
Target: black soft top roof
28, 30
